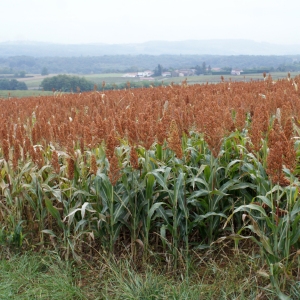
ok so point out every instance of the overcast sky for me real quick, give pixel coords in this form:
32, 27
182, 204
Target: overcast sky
136, 21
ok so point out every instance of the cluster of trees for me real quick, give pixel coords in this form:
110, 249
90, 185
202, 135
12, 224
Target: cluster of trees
12, 73
203, 69
67, 83
289, 67
20, 74
134, 63
6, 70
136, 84
13, 84
158, 70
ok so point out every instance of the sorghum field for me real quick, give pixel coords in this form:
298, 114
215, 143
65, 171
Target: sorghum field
170, 171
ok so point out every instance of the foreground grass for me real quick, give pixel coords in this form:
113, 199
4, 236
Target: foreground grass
32, 276
213, 275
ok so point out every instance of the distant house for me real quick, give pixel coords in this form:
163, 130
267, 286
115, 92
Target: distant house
187, 72
236, 72
166, 74
148, 73
183, 72
139, 74
174, 73
144, 74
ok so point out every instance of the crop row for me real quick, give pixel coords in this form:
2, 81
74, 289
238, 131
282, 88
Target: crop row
164, 170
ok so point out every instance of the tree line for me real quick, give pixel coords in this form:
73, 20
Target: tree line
135, 63
66, 83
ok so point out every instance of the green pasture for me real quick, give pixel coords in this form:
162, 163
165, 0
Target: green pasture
20, 93
33, 83
118, 79
113, 78
217, 78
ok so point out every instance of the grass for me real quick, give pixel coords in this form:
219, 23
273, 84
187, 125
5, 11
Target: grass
217, 78
213, 275
103, 76
20, 93
211, 279
33, 276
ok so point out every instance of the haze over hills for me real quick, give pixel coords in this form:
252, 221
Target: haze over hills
188, 47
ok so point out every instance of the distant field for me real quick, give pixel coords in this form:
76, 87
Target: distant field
217, 78
105, 75
35, 80
111, 78
19, 94
117, 78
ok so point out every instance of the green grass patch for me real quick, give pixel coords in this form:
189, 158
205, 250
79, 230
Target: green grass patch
221, 274
217, 78
103, 76
33, 276
20, 93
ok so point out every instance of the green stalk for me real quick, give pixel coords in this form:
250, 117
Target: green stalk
175, 232
134, 219
111, 221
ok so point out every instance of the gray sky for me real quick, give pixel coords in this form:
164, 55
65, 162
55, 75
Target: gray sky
133, 21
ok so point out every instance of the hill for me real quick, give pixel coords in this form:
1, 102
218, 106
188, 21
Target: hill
191, 47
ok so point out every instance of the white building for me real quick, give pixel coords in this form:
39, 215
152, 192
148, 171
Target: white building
236, 72
139, 74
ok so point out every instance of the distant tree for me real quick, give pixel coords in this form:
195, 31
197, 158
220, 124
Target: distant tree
158, 70
5, 84
22, 74
13, 84
198, 70
67, 83
227, 69
6, 71
44, 71
201, 69
204, 67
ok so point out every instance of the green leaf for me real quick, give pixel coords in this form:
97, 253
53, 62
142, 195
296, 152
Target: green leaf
197, 179
54, 212
250, 207
162, 180
198, 194
149, 185
207, 215
162, 213
266, 201
49, 232
242, 185
236, 237
154, 207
